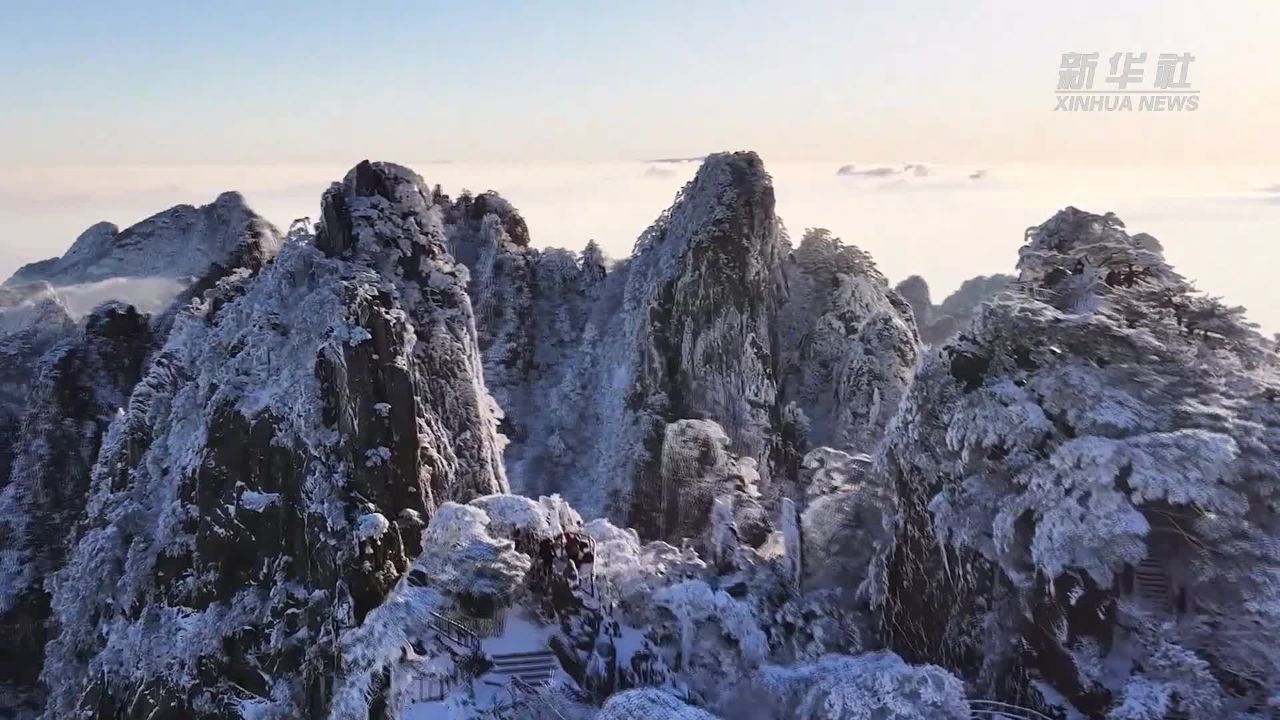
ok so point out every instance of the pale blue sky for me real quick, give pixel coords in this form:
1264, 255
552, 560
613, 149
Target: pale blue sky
280, 82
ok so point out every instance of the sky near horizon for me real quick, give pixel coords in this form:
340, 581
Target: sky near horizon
148, 82
115, 111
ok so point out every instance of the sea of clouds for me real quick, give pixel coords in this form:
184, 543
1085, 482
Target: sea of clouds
1219, 225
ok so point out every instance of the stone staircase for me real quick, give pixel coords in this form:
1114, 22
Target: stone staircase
532, 668
1151, 583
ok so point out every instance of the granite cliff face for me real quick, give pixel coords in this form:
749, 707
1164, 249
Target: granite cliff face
269, 455
78, 390
32, 321
713, 317
162, 262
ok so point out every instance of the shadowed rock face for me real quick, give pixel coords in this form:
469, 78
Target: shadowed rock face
32, 322
196, 245
275, 467
714, 316
78, 388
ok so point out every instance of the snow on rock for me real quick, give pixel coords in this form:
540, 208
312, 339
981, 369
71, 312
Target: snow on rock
371, 526
459, 558
592, 366
78, 389
847, 345
263, 502
846, 523
268, 383
876, 686
1089, 473
650, 704
33, 320
182, 242
258, 501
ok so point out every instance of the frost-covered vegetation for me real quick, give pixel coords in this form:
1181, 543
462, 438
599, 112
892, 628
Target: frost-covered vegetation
1090, 469
769, 486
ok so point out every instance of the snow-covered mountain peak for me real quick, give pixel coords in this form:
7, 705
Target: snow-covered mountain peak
1076, 251
385, 214
181, 242
1097, 444
730, 190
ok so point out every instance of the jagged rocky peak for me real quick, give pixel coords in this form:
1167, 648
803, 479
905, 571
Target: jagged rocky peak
703, 289
915, 290
1087, 472
385, 191
1077, 254
729, 203
273, 470
594, 264
147, 264
848, 347
713, 317
181, 242
472, 210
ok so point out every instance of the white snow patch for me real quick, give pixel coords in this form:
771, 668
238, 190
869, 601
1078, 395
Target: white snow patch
255, 501
372, 526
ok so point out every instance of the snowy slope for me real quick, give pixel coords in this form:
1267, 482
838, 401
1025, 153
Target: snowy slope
268, 500
148, 265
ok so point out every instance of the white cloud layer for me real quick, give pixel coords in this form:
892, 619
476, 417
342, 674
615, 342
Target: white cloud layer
945, 222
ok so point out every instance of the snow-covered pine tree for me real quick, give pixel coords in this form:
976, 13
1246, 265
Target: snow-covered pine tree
1089, 472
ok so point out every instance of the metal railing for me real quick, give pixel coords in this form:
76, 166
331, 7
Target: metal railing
483, 627
995, 710
453, 630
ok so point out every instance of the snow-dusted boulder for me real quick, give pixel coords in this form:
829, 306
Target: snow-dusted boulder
847, 520
650, 704
876, 686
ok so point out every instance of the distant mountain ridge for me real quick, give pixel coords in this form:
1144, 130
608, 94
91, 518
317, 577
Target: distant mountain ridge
181, 242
